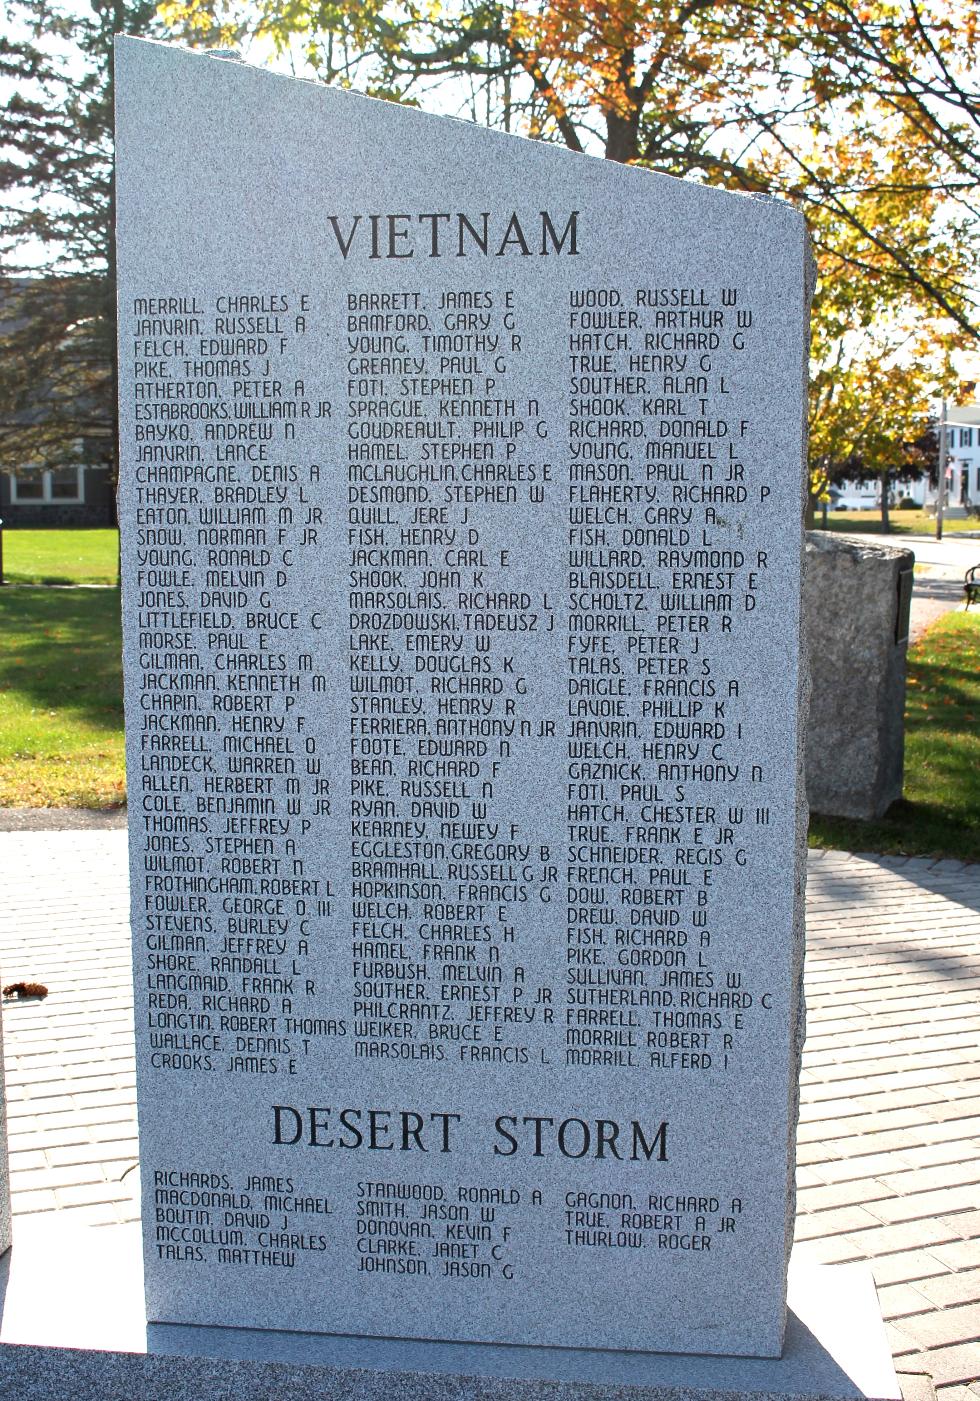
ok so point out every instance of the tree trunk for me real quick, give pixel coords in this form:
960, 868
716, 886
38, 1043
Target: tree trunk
886, 524
622, 137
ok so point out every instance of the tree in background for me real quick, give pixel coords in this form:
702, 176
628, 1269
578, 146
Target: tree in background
864, 115
871, 413
860, 114
57, 299
877, 364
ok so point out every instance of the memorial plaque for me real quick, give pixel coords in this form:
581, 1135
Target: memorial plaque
461, 486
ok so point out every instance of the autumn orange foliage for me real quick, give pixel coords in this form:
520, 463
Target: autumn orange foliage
866, 116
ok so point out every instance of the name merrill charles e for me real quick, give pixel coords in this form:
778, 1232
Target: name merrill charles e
437, 1131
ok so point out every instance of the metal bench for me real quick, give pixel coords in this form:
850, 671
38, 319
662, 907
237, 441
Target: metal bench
971, 585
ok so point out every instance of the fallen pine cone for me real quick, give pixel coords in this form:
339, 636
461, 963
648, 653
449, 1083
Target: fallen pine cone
25, 990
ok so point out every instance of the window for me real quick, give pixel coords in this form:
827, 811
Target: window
66, 484
59, 486
26, 488
966, 437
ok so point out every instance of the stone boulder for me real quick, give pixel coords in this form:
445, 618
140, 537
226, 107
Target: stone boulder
856, 601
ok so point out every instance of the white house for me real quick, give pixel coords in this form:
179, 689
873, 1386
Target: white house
963, 469
962, 473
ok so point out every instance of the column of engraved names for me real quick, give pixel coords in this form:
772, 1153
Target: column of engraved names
658, 738
224, 733
444, 868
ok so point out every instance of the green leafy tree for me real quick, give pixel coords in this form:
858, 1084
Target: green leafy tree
872, 405
57, 297
866, 115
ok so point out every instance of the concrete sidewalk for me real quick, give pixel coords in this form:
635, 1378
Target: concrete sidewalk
932, 599
889, 1167
940, 567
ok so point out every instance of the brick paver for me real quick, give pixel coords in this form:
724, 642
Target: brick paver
69, 1060
890, 1104
890, 1116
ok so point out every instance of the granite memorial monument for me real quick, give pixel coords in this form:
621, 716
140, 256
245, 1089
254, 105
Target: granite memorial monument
461, 498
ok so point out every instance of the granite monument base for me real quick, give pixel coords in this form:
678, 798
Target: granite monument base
856, 598
4, 1161
72, 1329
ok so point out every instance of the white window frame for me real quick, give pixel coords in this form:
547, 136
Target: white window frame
46, 498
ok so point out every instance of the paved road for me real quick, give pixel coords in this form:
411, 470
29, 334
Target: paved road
932, 598
889, 1168
949, 558
941, 565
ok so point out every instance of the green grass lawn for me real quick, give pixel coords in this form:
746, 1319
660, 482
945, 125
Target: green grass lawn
940, 813
902, 523
61, 556
61, 715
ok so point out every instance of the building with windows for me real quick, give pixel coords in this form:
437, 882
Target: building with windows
62, 496
962, 474
963, 465
57, 397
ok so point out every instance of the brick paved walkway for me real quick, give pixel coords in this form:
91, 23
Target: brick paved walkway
889, 1145
889, 1167
70, 1073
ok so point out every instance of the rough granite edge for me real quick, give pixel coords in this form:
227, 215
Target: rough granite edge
780, 205
798, 952
863, 546
5, 1211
